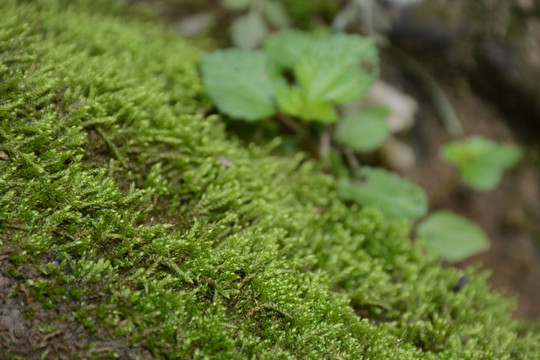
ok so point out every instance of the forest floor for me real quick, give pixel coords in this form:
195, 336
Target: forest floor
509, 214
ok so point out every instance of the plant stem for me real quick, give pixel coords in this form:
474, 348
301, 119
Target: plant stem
351, 158
440, 102
367, 15
398, 342
292, 125
324, 143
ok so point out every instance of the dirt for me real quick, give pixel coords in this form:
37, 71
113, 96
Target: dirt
495, 95
30, 331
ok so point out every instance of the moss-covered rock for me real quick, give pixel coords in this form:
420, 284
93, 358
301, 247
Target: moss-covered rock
132, 227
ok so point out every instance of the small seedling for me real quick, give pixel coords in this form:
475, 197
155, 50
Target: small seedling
451, 236
481, 161
327, 71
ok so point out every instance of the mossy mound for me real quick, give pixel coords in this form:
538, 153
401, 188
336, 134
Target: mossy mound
132, 227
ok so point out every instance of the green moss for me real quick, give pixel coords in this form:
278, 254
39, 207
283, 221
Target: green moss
116, 208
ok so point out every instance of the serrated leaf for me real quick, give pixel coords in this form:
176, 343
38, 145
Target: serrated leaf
236, 4
238, 83
481, 161
451, 236
284, 48
249, 31
291, 101
276, 14
395, 197
338, 69
364, 130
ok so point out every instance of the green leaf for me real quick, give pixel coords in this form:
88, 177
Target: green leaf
249, 31
395, 197
451, 236
328, 70
291, 101
284, 48
481, 161
338, 69
319, 111
276, 14
365, 129
236, 4
238, 83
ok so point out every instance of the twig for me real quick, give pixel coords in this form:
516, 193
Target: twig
440, 102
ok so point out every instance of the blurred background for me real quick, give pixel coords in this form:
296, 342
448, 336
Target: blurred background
447, 67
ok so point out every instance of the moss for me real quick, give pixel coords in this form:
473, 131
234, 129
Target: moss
119, 220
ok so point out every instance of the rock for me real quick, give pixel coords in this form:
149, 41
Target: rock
403, 107
397, 155
194, 25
